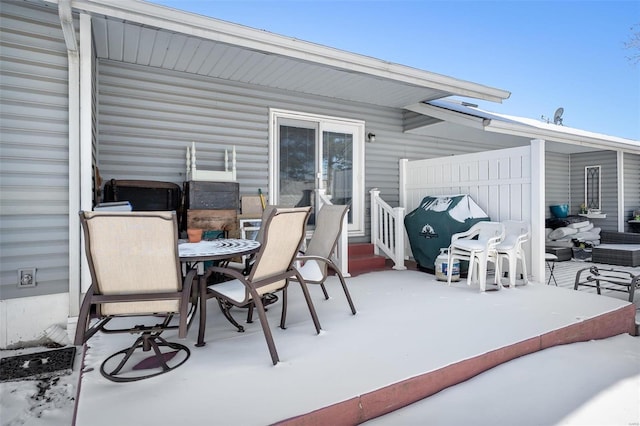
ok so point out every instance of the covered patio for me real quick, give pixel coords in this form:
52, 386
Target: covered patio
412, 337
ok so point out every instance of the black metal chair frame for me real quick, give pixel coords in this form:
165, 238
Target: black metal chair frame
608, 279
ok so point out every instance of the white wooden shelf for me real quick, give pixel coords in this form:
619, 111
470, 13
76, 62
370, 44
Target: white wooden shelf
594, 215
211, 175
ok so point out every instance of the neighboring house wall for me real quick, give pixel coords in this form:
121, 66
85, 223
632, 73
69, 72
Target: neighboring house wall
607, 160
631, 187
557, 180
148, 117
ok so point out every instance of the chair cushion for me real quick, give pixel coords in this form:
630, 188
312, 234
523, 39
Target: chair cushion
583, 224
558, 233
311, 271
139, 308
232, 290
586, 236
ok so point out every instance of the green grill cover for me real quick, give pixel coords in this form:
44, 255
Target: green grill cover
431, 225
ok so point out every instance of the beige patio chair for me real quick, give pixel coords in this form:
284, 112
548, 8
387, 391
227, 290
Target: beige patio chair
136, 272
259, 236
267, 298
511, 248
283, 234
316, 259
477, 246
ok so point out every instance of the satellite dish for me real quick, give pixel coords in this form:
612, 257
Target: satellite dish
557, 117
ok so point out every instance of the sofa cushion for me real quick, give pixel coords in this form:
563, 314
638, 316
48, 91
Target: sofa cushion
562, 232
577, 225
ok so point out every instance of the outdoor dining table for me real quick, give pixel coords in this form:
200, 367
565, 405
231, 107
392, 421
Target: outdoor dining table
219, 249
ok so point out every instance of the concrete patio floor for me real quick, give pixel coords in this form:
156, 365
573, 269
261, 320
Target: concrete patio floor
412, 337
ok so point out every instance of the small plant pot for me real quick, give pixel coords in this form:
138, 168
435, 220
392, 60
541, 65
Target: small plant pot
195, 235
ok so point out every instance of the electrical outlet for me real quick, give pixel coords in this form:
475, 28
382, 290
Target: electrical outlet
27, 277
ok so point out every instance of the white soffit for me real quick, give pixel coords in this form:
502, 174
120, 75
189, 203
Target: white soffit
447, 115
144, 33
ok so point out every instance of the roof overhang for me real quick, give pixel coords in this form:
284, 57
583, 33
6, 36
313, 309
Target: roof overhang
139, 32
471, 117
568, 135
444, 114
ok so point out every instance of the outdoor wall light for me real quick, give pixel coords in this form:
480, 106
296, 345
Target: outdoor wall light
371, 137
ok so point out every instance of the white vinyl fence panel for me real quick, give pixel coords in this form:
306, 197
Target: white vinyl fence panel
499, 181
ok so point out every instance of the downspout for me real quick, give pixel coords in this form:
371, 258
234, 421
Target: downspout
68, 30
621, 201
538, 179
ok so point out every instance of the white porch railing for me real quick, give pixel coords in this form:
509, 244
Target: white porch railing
387, 229
341, 255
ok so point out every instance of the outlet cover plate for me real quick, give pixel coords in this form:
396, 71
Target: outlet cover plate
26, 277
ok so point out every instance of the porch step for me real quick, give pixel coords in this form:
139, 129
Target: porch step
362, 259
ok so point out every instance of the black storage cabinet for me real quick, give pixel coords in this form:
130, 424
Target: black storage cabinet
144, 195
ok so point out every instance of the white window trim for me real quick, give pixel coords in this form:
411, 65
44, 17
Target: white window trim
357, 228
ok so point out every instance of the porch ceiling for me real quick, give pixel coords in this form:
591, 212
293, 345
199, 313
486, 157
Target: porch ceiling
147, 34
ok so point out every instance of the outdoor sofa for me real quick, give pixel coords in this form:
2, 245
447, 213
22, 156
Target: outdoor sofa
618, 248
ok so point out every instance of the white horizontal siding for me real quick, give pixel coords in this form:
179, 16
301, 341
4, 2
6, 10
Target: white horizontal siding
557, 180
165, 111
148, 117
34, 182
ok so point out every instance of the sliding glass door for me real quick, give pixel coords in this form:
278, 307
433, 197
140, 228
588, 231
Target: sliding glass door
311, 153
297, 143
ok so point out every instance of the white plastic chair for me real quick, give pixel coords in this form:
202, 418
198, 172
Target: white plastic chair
511, 248
477, 246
